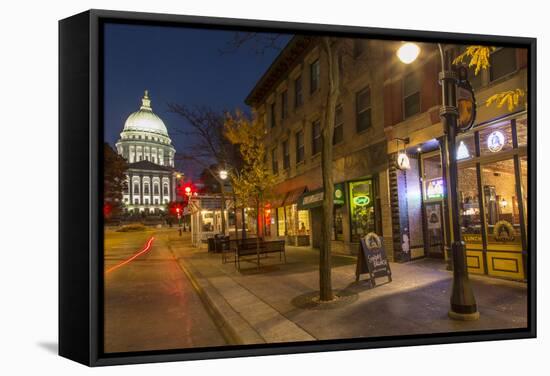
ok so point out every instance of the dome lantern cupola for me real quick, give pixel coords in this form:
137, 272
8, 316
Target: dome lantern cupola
145, 120
146, 102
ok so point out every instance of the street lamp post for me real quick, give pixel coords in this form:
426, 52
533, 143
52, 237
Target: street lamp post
463, 303
223, 176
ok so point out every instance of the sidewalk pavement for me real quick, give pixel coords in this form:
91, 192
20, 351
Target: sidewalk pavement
274, 304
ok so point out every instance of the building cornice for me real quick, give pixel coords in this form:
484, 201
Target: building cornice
280, 68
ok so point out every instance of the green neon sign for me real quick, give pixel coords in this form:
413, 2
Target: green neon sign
361, 200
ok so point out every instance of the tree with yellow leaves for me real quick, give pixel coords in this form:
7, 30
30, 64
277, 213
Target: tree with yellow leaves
252, 182
479, 58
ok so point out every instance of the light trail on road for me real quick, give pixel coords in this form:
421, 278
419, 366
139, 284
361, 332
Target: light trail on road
145, 249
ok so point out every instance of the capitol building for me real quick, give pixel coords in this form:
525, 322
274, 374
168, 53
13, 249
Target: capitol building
145, 144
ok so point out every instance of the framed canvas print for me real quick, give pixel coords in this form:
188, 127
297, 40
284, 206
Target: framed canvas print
252, 187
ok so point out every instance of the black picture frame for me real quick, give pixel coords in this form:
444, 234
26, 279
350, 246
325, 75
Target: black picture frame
80, 165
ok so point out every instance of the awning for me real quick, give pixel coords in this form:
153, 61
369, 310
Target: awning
277, 200
315, 198
293, 196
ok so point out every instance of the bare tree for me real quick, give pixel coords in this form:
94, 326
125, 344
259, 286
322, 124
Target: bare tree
258, 43
332, 51
210, 149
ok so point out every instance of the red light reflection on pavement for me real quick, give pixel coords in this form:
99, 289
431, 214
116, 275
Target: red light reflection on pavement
145, 249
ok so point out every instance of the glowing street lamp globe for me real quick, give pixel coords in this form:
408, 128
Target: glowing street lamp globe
223, 174
408, 52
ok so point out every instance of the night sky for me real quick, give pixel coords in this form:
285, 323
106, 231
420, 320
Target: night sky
176, 65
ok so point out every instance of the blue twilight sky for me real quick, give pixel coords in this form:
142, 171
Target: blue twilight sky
176, 65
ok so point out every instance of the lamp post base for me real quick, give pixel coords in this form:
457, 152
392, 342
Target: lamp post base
464, 316
463, 302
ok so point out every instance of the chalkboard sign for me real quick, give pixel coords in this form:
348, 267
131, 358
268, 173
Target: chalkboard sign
372, 259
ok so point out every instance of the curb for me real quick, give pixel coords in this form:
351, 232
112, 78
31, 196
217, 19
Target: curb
235, 330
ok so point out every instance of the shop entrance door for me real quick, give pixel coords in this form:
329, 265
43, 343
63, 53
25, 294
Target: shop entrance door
433, 214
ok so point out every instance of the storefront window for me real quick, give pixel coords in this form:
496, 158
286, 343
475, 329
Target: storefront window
470, 219
291, 220
434, 186
465, 148
495, 139
303, 221
281, 228
361, 209
501, 205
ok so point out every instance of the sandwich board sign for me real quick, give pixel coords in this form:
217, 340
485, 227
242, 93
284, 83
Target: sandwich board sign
372, 259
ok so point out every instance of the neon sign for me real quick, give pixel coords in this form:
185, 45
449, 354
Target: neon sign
462, 152
496, 141
361, 200
435, 189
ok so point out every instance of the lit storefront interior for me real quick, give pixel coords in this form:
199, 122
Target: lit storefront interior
433, 194
354, 214
493, 197
293, 224
310, 206
492, 189
205, 221
361, 205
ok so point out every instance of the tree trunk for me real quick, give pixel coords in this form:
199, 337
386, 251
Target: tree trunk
325, 272
223, 209
258, 223
235, 211
243, 223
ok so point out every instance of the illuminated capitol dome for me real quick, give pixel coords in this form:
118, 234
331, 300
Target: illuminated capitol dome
145, 144
145, 137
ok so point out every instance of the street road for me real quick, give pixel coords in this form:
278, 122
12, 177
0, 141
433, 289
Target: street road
149, 302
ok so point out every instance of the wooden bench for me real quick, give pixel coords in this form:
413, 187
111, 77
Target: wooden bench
250, 247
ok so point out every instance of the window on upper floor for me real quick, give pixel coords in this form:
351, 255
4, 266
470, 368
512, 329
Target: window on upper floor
476, 80
503, 62
286, 155
272, 115
165, 189
274, 161
284, 104
156, 189
298, 99
363, 109
411, 94
314, 76
136, 188
300, 151
316, 137
146, 188
338, 135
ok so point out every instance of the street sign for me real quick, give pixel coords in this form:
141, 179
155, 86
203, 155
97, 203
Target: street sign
403, 162
372, 259
315, 198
